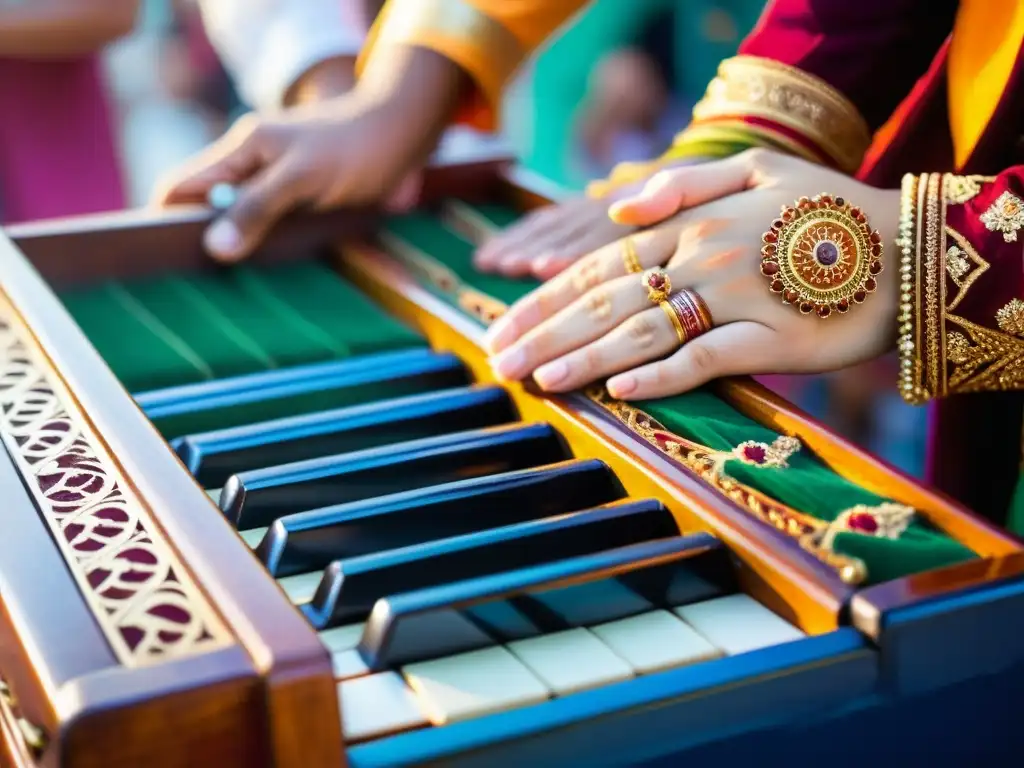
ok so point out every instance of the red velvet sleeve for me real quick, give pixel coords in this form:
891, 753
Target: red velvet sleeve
871, 51
962, 268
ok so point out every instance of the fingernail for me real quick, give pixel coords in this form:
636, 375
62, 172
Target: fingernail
549, 375
621, 386
499, 335
223, 238
509, 365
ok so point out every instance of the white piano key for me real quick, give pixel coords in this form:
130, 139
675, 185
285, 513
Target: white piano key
378, 705
253, 536
302, 587
571, 661
738, 623
654, 641
342, 638
348, 664
473, 684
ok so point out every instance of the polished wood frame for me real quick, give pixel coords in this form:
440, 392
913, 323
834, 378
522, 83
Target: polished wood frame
267, 696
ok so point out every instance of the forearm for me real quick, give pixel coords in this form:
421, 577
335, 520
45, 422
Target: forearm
962, 293
50, 29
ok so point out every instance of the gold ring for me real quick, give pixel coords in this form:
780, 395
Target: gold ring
691, 313
629, 257
674, 319
658, 284
821, 255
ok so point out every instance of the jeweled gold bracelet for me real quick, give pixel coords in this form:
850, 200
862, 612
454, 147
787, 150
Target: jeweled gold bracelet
906, 244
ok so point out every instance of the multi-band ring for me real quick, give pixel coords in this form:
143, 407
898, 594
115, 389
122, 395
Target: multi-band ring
821, 255
689, 315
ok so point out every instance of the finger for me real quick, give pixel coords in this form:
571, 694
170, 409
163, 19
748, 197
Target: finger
233, 159
259, 206
643, 337
555, 241
671, 191
737, 348
533, 227
588, 318
582, 241
653, 247
406, 195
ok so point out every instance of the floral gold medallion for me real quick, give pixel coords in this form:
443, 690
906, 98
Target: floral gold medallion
821, 255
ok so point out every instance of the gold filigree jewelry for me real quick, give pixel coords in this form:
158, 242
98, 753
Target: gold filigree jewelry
906, 242
629, 257
884, 521
1005, 215
658, 284
821, 255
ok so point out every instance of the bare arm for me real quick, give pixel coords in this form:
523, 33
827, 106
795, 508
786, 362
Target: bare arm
55, 29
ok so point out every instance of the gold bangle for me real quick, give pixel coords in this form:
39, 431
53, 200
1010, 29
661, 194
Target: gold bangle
906, 242
674, 319
928, 250
629, 257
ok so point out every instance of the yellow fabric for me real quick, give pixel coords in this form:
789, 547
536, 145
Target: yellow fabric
983, 52
486, 38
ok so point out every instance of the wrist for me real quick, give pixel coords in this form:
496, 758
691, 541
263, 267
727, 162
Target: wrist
326, 79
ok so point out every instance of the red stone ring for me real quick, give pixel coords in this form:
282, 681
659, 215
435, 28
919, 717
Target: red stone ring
821, 255
658, 285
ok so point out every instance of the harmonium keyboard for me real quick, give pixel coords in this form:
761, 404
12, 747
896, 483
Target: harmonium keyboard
283, 514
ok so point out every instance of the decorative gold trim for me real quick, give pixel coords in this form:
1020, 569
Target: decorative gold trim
1010, 318
1005, 215
709, 466
140, 594
984, 360
756, 87
960, 253
739, 132
931, 252
963, 189
906, 242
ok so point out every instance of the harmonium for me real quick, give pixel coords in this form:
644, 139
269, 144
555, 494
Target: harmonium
283, 514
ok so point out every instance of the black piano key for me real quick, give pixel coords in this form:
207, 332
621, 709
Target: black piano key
255, 499
212, 457
238, 400
310, 541
350, 587
391, 637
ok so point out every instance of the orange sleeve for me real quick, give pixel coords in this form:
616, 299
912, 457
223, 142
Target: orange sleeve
487, 38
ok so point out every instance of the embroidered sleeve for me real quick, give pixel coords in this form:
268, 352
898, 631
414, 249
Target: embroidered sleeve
962, 293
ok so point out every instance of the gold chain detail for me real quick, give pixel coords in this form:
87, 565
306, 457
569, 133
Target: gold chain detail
933, 324
140, 594
906, 243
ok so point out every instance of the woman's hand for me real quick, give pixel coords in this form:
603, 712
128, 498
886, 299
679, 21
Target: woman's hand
550, 239
594, 320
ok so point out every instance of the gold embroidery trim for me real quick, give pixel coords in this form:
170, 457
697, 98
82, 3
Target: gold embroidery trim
139, 592
963, 254
749, 86
1011, 317
982, 359
963, 189
931, 255
906, 243
1005, 215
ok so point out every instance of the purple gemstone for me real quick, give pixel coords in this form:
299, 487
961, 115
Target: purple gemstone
826, 253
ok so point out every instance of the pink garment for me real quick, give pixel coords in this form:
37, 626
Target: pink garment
57, 153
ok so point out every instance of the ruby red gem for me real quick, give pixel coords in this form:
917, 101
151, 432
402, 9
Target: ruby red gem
862, 521
778, 224
843, 305
859, 296
806, 308
825, 199
768, 250
870, 285
755, 453
769, 237
769, 268
875, 268
876, 249
777, 286
840, 202
792, 297
875, 237
824, 311
656, 281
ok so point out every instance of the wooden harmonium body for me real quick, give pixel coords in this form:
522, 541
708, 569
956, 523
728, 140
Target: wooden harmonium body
282, 514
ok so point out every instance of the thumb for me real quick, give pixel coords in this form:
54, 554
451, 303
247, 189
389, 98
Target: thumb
260, 205
230, 160
669, 192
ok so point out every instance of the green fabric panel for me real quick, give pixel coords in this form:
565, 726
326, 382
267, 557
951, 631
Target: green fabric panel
429, 235
143, 353
1015, 519
176, 330
806, 485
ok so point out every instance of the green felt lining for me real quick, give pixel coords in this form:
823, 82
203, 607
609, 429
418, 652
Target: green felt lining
806, 484
177, 329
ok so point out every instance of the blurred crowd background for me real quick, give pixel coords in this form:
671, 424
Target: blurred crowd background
613, 87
